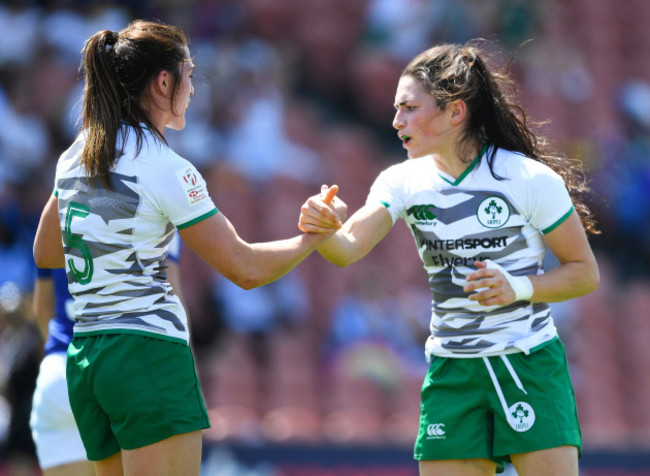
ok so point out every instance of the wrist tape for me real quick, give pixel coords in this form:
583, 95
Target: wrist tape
521, 285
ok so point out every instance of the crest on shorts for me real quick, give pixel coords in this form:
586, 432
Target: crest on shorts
521, 416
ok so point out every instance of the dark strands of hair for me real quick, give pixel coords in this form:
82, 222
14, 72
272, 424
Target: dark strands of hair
453, 72
118, 67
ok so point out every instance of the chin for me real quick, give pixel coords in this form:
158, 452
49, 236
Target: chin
177, 125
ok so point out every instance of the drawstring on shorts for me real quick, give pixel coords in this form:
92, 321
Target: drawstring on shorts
515, 413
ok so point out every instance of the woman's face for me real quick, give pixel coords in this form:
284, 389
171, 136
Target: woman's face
423, 127
183, 93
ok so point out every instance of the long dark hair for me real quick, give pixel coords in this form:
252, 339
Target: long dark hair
451, 72
118, 67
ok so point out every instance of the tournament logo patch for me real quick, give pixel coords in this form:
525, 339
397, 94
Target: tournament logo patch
493, 212
193, 187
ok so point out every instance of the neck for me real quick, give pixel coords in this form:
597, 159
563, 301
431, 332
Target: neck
452, 163
158, 115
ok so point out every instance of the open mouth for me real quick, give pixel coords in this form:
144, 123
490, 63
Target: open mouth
405, 139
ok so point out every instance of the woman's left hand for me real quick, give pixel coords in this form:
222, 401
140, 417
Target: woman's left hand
323, 213
493, 288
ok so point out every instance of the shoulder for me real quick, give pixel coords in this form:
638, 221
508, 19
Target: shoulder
516, 166
72, 154
153, 156
538, 191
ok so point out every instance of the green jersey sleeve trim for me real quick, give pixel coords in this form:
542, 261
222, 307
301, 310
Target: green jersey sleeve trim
198, 219
559, 222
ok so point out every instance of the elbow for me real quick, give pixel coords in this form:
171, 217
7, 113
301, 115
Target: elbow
590, 280
248, 284
340, 261
38, 259
247, 281
340, 264
48, 255
41, 259
594, 282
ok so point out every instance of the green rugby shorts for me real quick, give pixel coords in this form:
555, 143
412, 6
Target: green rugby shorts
128, 391
493, 407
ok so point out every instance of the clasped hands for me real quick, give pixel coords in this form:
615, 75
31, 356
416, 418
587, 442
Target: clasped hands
323, 213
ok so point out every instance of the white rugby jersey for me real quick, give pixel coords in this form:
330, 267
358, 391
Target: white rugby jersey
116, 241
477, 217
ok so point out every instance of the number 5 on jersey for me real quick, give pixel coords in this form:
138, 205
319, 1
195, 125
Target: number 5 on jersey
75, 241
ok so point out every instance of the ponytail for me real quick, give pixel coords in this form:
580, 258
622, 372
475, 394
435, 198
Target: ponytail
102, 105
118, 68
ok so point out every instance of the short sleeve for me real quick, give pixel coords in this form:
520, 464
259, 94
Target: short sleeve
183, 196
548, 203
385, 191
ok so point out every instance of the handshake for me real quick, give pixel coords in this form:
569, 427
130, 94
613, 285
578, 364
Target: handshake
323, 213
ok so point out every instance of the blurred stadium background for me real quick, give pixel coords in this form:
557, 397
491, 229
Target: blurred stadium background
319, 373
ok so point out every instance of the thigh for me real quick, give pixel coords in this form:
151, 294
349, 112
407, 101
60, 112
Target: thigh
466, 467
157, 394
541, 412
147, 389
111, 466
80, 468
51, 406
562, 461
54, 430
179, 454
455, 422
93, 422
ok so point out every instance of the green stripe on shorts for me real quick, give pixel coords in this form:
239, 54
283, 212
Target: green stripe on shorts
128, 391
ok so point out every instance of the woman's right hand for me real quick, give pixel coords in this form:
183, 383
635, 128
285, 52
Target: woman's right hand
323, 213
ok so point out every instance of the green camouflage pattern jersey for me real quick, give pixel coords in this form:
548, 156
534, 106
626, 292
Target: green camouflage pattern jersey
477, 217
116, 241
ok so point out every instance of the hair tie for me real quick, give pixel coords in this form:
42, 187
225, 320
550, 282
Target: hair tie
112, 37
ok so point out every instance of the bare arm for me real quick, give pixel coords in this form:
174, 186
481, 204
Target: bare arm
578, 271
43, 303
48, 246
358, 236
576, 275
247, 265
174, 278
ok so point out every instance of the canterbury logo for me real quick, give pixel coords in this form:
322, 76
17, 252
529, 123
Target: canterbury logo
436, 429
422, 212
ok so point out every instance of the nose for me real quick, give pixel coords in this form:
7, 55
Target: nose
398, 122
192, 90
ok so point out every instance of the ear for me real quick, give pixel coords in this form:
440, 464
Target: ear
458, 111
162, 83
